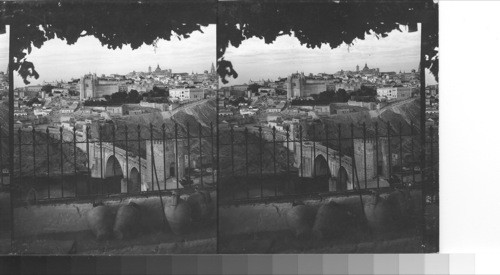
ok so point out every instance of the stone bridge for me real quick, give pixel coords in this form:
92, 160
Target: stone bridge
314, 160
317, 162
137, 173
118, 163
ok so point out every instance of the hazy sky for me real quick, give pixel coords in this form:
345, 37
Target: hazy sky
56, 60
4, 50
255, 60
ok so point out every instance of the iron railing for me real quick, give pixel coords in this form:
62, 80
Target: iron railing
263, 163
57, 164
256, 162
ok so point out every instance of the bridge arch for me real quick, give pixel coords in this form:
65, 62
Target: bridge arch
134, 180
321, 173
172, 169
113, 167
321, 166
342, 179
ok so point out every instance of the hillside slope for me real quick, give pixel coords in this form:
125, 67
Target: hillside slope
193, 115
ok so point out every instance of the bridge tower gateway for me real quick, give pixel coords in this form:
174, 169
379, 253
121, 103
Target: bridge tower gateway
383, 160
371, 158
167, 162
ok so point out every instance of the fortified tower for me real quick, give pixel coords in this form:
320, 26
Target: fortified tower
294, 85
87, 86
170, 163
370, 154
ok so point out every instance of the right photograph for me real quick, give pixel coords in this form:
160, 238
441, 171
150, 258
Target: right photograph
324, 143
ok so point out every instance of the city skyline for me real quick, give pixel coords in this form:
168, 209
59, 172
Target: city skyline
255, 60
193, 54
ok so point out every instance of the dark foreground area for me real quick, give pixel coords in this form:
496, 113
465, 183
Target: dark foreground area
200, 241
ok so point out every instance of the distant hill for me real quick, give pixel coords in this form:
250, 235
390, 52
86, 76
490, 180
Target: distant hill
403, 113
396, 115
194, 115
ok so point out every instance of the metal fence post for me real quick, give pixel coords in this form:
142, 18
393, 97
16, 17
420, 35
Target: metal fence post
201, 154
364, 154
274, 161
139, 154
101, 159
261, 153
164, 157
126, 158
389, 155
62, 160
176, 155
88, 159
376, 155
153, 164
188, 151
74, 160
246, 162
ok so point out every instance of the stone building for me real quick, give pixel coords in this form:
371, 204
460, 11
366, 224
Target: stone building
91, 87
183, 94
170, 161
298, 85
395, 92
367, 70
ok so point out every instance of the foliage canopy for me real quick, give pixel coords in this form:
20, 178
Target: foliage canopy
136, 23
315, 24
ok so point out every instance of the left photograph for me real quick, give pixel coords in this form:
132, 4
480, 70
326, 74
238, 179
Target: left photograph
115, 132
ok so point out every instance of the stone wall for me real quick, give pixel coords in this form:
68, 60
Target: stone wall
261, 217
71, 217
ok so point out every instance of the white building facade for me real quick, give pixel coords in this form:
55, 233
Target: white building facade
394, 92
183, 94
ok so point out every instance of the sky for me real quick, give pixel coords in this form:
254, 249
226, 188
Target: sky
255, 60
56, 60
4, 50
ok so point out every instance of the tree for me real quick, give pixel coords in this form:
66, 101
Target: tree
280, 92
159, 92
119, 97
342, 94
327, 96
114, 24
239, 100
134, 96
47, 89
145, 22
366, 91
32, 101
334, 23
254, 87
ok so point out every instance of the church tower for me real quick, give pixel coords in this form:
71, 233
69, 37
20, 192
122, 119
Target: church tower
357, 68
212, 69
149, 69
